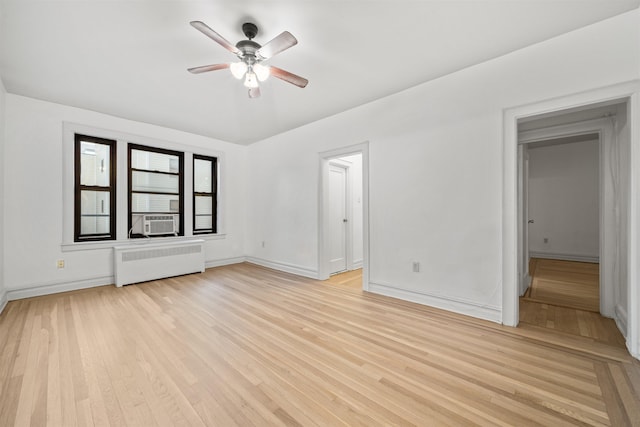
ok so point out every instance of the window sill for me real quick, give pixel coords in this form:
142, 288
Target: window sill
108, 244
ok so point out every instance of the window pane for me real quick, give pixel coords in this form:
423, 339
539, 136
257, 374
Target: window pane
157, 182
204, 223
155, 203
202, 176
204, 205
94, 212
94, 203
94, 164
94, 225
154, 161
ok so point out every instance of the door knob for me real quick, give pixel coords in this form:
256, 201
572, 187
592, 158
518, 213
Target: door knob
344, 220
530, 221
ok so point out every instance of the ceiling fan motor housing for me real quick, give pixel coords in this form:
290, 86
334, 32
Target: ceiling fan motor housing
250, 30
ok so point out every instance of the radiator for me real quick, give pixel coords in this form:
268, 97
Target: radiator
136, 263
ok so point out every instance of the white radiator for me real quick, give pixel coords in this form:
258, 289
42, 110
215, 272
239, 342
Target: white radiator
151, 261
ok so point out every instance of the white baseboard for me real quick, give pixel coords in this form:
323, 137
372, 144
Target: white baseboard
457, 305
565, 257
4, 299
620, 316
357, 264
224, 261
57, 287
287, 268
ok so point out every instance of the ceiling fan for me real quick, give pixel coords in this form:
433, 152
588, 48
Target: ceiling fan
251, 56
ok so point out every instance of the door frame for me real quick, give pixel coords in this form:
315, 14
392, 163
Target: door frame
323, 208
629, 91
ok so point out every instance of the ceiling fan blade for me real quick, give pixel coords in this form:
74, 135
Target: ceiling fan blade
204, 29
282, 42
288, 77
254, 92
205, 68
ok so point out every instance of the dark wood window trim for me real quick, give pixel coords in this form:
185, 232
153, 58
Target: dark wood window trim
78, 188
180, 155
213, 194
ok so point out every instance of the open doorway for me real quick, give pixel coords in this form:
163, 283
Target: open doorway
561, 198
607, 117
343, 213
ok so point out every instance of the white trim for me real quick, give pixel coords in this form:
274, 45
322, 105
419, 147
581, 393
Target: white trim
357, 264
87, 246
287, 268
323, 208
621, 319
629, 91
457, 305
565, 257
224, 261
54, 287
4, 299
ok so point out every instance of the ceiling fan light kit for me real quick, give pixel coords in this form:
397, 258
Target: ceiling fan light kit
250, 57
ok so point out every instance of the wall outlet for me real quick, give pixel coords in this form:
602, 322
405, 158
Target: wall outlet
416, 267
60, 263
545, 240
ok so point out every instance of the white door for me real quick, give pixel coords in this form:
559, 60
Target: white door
338, 218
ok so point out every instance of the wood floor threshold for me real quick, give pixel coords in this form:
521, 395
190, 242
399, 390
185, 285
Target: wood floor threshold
244, 345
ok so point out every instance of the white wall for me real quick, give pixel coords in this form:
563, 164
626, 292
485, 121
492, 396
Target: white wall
3, 95
435, 169
564, 201
34, 198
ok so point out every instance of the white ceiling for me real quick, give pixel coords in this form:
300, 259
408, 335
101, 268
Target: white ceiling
129, 58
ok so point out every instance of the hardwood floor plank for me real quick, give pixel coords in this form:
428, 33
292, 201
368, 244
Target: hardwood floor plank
243, 345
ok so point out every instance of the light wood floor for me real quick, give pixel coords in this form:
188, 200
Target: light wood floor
564, 297
565, 283
348, 279
244, 345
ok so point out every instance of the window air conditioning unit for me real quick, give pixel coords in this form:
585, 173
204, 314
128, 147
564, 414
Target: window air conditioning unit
154, 225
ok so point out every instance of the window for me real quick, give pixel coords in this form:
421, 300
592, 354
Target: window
156, 182
94, 189
204, 194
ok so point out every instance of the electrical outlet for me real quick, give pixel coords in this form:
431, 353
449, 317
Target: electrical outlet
545, 240
416, 267
60, 263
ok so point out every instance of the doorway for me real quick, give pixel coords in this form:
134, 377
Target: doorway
561, 208
343, 213
618, 223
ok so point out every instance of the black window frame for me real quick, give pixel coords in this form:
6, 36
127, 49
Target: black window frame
78, 188
213, 194
131, 146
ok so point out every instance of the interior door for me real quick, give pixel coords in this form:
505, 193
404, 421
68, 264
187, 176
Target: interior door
338, 218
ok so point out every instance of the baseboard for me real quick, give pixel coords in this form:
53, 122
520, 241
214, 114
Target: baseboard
357, 265
225, 261
57, 287
565, 257
4, 299
92, 282
456, 305
620, 316
287, 268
